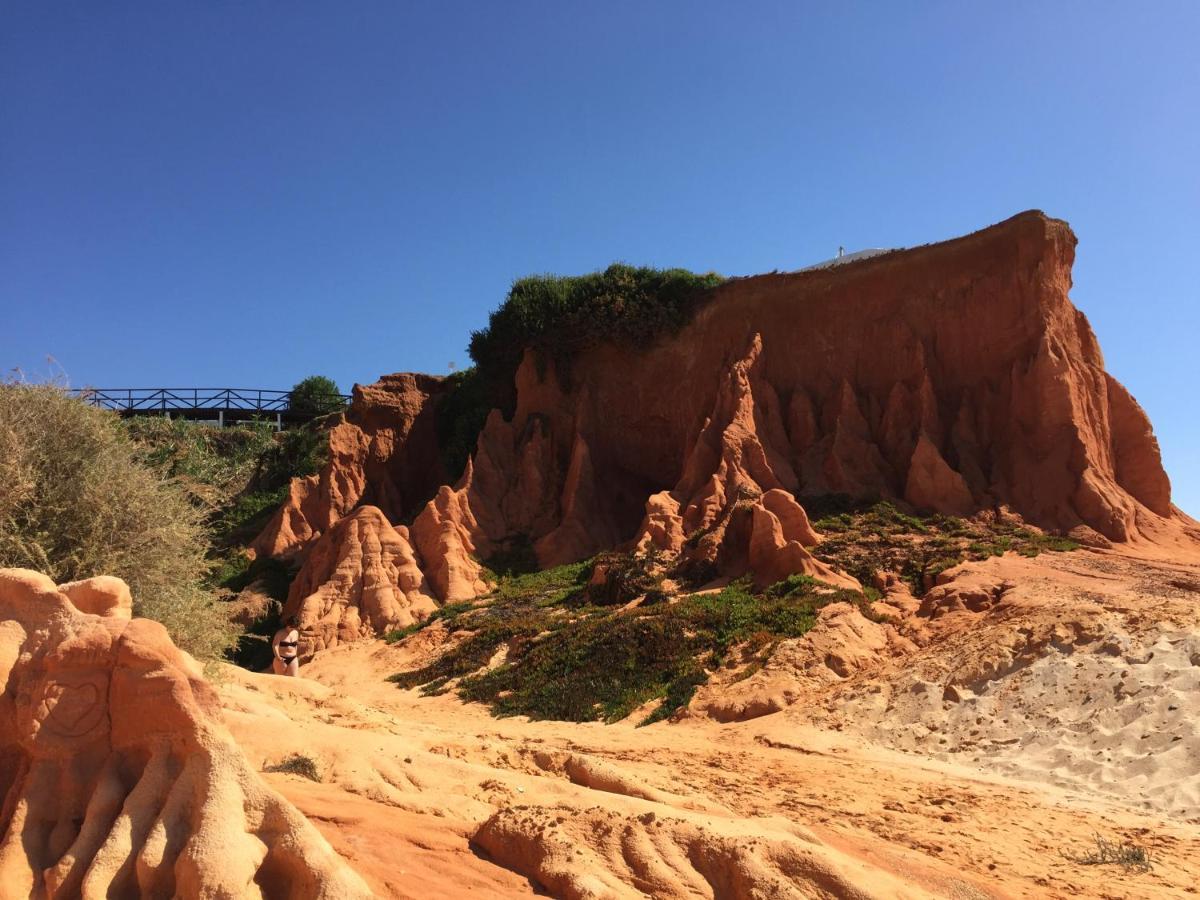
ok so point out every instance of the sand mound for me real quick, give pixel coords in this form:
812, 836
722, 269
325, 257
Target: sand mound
118, 778
596, 853
1080, 670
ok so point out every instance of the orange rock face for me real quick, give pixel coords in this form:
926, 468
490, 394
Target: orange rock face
359, 580
954, 377
118, 778
384, 454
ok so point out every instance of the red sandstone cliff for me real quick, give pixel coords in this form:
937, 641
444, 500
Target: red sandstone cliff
955, 377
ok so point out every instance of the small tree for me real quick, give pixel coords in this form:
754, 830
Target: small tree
316, 395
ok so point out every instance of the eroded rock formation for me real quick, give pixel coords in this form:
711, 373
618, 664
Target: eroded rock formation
732, 510
118, 778
384, 453
360, 579
954, 377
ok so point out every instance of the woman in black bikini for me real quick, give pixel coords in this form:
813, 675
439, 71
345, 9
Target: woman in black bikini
285, 650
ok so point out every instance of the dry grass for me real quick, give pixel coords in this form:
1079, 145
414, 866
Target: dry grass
74, 503
1127, 855
297, 764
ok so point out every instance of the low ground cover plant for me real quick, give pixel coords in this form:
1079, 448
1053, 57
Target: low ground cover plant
568, 658
297, 764
550, 644
864, 537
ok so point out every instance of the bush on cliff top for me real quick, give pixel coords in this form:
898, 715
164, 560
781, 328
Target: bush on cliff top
561, 316
75, 502
558, 317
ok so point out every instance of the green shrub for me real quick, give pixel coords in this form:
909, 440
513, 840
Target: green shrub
316, 395
294, 453
238, 476
626, 577
75, 502
559, 317
562, 316
461, 415
211, 464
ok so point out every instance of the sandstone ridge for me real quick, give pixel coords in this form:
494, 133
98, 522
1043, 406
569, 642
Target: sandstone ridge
955, 377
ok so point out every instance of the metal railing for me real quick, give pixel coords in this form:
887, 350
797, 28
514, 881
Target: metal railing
192, 401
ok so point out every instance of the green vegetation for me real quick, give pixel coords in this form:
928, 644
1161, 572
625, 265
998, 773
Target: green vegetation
561, 316
558, 317
211, 465
568, 658
294, 453
862, 538
628, 576
460, 417
559, 644
237, 476
449, 611
548, 587
77, 501
316, 395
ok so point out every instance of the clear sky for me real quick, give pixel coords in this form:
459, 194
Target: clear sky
244, 193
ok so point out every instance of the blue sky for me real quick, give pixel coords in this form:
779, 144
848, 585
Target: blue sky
245, 193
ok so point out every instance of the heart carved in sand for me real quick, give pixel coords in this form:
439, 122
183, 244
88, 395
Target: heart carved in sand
70, 709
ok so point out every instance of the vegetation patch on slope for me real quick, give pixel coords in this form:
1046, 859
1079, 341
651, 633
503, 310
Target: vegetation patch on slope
567, 657
557, 644
237, 476
862, 538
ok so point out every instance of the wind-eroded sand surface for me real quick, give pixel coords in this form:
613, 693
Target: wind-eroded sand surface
1080, 679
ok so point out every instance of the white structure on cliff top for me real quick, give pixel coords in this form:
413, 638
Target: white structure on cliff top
843, 257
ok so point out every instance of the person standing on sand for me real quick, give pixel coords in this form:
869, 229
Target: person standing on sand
285, 650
